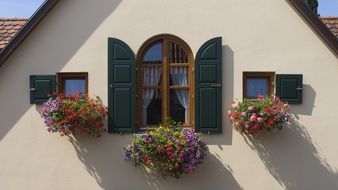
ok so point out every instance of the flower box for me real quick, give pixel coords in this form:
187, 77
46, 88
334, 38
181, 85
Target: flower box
78, 113
168, 150
255, 116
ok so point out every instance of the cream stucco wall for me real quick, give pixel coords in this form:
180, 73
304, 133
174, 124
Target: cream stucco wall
260, 35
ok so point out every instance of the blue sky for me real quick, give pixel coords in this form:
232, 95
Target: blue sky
25, 8
18, 8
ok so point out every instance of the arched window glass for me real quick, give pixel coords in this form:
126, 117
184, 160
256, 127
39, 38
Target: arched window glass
165, 81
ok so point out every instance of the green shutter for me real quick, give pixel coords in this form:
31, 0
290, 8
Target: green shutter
41, 86
290, 88
121, 87
208, 97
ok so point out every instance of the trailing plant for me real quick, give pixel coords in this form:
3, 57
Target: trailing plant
168, 150
255, 116
76, 113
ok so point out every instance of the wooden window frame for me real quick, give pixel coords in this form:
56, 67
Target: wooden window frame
165, 86
63, 76
258, 75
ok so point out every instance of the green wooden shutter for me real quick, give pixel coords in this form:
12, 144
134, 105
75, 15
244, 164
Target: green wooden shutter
208, 97
290, 88
121, 87
41, 86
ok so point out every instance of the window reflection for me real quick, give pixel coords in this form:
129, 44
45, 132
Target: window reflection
257, 86
74, 86
154, 54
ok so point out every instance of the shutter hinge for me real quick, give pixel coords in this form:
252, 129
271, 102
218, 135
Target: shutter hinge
193, 69
193, 95
32, 89
111, 85
136, 68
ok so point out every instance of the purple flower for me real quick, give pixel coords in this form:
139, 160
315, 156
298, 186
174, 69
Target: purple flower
48, 120
171, 138
128, 155
137, 149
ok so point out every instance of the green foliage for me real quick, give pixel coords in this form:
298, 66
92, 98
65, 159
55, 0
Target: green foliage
313, 5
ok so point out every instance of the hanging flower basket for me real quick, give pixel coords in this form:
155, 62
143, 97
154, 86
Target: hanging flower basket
78, 113
168, 150
255, 116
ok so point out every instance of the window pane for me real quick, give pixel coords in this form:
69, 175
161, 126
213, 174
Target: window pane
178, 76
154, 54
177, 54
152, 106
179, 105
73, 86
257, 86
152, 76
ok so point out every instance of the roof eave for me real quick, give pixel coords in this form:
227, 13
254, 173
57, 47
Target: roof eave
316, 24
44, 9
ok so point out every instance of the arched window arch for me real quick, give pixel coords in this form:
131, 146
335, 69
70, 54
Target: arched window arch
165, 81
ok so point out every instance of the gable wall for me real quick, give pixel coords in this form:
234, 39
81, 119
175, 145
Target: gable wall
261, 35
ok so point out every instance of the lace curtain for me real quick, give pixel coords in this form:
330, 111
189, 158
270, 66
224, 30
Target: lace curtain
151, 77
179, 76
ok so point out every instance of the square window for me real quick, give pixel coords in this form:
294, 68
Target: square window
257, 84
72, 83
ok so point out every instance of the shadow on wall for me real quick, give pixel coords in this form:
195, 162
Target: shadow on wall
228, 92
71, 33
293, 160
306, 108
104, 159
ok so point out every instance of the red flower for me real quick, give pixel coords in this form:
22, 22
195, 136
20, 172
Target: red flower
177, 166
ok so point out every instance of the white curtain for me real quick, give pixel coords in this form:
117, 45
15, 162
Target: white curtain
151, 77
179, 76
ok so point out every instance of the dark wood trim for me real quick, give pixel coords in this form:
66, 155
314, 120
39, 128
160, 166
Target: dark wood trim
165, 38
257, 75
61, 76
26, 29
316, 24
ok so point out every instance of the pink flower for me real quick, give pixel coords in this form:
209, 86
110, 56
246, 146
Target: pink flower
253, 117
250, 108
259, 119
233, 104
246, 125
276, 98
261, 97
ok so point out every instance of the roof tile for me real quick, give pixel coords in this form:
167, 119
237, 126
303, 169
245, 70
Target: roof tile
332, 24
8, 28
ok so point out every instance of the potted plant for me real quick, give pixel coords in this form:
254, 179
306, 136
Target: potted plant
255, 116
76, 113
168, 150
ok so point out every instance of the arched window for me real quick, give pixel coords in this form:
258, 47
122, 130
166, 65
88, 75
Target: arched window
165, 82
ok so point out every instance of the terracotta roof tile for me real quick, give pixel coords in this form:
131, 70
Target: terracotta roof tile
332, 24
8, 28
